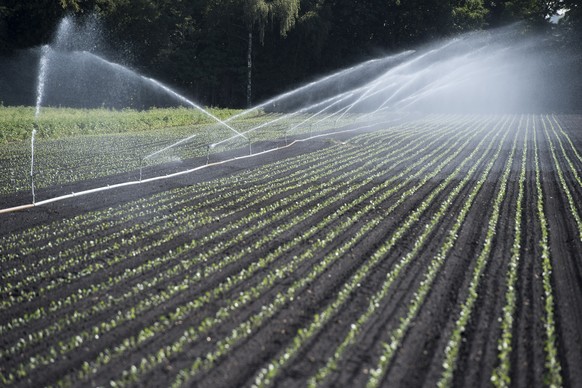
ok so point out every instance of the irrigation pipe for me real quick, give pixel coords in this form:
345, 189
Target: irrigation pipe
176, 174
16, 208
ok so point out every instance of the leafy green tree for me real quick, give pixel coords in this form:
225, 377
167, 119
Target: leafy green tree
260, 14
469, 15
503, 12
217, 60
298, 57
207, 49
573, 14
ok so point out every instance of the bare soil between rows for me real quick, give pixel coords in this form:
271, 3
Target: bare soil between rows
418, 360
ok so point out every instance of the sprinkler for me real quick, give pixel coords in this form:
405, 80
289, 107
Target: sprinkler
210, 146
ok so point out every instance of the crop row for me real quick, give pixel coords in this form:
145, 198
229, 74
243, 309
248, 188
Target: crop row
565, 189
36, 239
102, 153
188, 280
377, 299
454, 343
186, 216
246, 328
332, 183
552, 365
501, 376
203, 213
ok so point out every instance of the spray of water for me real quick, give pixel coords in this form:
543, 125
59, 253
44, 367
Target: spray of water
478, 72
42, 74
316, 97
351, 77
120, 69
193, 105
69, 51
328, 103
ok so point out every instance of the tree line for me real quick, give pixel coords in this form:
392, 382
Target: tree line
236, 52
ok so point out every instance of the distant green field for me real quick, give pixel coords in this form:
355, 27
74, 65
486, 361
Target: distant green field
75, 145
16, 123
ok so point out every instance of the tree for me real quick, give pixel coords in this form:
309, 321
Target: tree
297, 58
206, 48
469, 15
573, 13
24, 24
259, 14
509, 11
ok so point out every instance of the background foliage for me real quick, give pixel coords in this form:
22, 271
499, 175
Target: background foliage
201, 46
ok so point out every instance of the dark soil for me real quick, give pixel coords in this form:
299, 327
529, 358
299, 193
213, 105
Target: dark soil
419, 358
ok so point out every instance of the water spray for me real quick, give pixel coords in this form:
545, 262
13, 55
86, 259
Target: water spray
342, 73
331, 101
362, 92
192, 104
310, 118
161, 86
42, 74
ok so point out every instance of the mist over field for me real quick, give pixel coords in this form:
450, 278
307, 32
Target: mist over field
392, 198
499, 70
495, 71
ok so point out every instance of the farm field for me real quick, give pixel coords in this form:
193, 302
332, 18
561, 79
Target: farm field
445, 250
114, 145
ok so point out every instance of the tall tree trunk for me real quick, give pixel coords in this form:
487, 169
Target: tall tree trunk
250, 69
